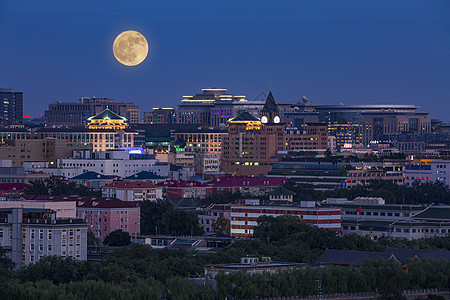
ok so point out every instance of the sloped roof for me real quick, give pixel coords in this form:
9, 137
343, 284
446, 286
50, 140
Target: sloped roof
233, 181
351, 257
244, 116
270, 105
346, 257
281, 190
107, 114
144, 175
440, 212
129, 184
90, 175
402, 253
181, 183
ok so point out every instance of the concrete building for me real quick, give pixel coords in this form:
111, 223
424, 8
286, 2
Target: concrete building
75, 114
245, 185
252, 145
160, 116
109, 163
11, 106
388, 170
102, 215
18, 175
210, 214
180, 189
7, 134
250, 265
201, 139
43, 150
28, 234
62, 209
207, 163
132, 191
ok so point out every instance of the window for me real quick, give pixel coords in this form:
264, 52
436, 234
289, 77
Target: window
32, 234
41, 234
49, 248
49, 235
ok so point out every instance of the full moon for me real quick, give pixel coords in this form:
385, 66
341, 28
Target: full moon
130, 48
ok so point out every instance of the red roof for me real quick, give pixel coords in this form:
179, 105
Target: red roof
130, 185
12, 187
181, 183
231, 181
87, 202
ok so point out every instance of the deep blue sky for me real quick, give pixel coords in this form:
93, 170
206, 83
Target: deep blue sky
352, 52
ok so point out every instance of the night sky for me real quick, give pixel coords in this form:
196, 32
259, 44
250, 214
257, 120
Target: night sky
351, 52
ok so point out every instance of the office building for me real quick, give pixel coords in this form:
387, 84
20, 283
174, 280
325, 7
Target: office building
160, 116
11, 106
75, 114
109, 163
252, 145
41, 150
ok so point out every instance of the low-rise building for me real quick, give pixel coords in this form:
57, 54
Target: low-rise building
178, 189
207, 163
103, 215
250, 265
253, 186
211, 213
28, 234
109, 163
132, 191
244, 217
91, 179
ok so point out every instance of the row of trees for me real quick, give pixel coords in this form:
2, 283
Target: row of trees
387, 277
58, 187
139, 272
425, 193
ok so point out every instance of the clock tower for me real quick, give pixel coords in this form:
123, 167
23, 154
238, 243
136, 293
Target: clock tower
270, 113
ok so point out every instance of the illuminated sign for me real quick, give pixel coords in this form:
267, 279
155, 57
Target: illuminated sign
132, 150
347, 146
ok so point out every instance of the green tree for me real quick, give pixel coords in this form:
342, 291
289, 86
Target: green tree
56, 269
162, 218
221, 226
117, 238
91, 239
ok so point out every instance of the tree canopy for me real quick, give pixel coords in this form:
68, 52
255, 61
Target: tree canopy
117, 238
161, 217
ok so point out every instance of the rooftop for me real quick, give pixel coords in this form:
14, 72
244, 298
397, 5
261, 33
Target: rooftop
107, 114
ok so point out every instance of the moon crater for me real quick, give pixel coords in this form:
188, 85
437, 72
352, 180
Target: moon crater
130, 48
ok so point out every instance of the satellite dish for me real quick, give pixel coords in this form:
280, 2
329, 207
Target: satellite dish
305, 100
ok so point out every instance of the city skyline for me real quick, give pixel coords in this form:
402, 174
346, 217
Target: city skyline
356, 53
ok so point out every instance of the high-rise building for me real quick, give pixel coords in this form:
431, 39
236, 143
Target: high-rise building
252, 145
11, 107
160, 116
75, 114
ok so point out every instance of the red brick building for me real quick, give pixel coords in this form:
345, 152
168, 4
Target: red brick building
244, 217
